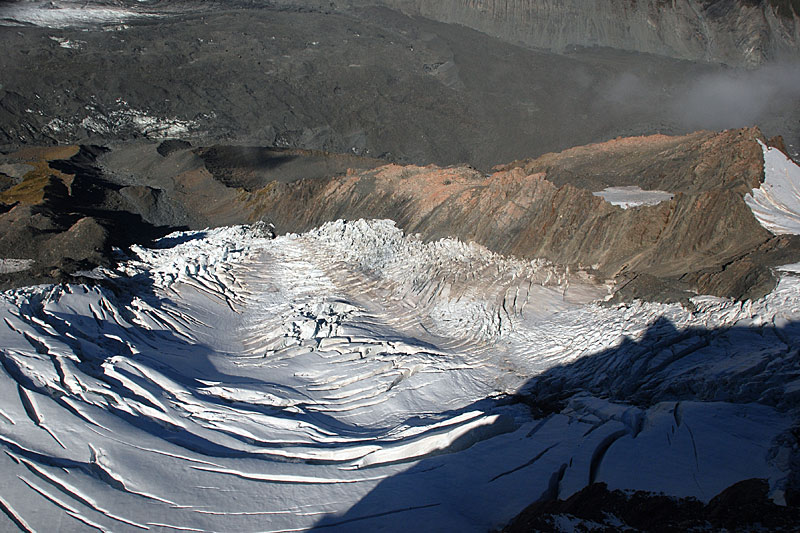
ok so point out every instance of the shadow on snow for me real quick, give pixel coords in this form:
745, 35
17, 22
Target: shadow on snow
738, 365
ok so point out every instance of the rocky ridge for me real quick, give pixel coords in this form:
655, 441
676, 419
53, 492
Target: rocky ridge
704, 240
59, 217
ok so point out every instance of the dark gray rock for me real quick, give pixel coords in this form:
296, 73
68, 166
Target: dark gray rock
172, 145
364, 81
736, 32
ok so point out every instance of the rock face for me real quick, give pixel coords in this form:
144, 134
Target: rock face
61, 217
735, 32
702, 239
369, 81
743, 506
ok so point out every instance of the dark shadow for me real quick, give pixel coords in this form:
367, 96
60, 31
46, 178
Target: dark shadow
248, 167
221, 157
253, 167
665, 365
92, 195
79, 222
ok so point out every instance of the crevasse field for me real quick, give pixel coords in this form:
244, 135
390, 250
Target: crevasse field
356, 378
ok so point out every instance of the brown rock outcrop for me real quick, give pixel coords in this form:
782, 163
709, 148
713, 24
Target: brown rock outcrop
61, 217
704, 240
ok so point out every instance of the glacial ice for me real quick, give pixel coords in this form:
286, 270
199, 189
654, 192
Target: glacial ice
354, 375
64, 14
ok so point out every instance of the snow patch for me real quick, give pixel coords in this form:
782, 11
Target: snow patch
64, 14
633, 196
121, 121
8, 266
68, 43
794, 267
776, 204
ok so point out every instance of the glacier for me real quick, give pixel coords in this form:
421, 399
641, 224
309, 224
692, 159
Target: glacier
67, 14
357, 378
776, 203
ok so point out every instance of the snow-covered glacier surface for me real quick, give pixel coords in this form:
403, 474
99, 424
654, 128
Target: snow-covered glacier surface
354, 378
776, 204
64, 14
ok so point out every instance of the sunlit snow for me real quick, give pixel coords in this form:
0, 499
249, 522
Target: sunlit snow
354, 377
776, 204
632, 196
63, 14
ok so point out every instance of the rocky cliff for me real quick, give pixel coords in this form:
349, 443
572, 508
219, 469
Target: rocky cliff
703, 240
735, 32
699, 237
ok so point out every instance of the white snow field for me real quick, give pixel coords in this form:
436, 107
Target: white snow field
776, 204
633, 196
64, 14
356, 379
